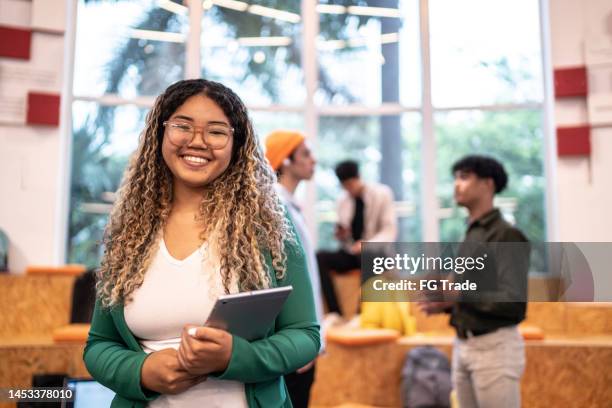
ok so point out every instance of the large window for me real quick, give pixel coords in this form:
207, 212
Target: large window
404, 86
370, 140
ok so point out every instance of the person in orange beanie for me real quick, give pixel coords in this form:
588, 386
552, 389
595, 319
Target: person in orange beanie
282, 144
294, 162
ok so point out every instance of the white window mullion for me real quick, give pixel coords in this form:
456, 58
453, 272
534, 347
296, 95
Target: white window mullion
429, 200
65, 154
193, 60
548, 127
310, 33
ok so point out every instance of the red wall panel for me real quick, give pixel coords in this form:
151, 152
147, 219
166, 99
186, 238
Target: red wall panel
571, 82
15, 42
574, 141
43, 109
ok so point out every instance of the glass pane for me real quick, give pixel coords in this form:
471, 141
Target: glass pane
131, 48
255, 49
515, 139
368, 59
485, 52
266, 122
388, 151
103, 140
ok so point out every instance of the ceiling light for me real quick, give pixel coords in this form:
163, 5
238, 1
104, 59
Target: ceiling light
274, 13
374, 11
172, 7
157, 35
331, 9
389, 38
264, 41
331, 45
357, 42
259, 57
232, 4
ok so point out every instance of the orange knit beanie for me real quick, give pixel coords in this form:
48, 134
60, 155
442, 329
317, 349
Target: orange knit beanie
280, 144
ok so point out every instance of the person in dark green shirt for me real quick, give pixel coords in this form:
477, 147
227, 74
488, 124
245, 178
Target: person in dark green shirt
488, 354
198, 180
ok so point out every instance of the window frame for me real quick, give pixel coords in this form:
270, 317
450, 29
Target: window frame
428, 201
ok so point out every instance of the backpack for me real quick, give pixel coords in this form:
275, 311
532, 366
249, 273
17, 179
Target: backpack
426, 379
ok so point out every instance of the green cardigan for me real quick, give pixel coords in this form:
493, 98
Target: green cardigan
114, 357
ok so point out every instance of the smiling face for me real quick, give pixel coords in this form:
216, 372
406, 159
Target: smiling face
195, 164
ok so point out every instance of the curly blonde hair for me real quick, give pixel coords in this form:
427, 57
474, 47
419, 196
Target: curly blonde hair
250, 219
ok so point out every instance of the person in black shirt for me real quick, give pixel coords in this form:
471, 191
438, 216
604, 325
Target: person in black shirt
366, 213
488, 353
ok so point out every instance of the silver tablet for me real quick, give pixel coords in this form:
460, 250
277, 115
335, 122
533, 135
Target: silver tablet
248, 314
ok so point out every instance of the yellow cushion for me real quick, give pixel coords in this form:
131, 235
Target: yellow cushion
388, 315
395, 314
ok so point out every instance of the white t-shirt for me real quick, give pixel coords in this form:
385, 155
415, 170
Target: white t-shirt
174, 293
299, 222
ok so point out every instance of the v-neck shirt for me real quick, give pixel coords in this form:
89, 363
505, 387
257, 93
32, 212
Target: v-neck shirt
176, 292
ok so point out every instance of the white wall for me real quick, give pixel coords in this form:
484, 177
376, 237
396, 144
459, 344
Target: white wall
584, 185
30, 155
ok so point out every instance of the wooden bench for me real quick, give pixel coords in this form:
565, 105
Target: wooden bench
33, 307
560, 372
570, 367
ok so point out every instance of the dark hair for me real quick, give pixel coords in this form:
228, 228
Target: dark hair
231, 104
347, 169
483, 167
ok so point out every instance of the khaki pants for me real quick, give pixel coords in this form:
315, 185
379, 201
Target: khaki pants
487, 369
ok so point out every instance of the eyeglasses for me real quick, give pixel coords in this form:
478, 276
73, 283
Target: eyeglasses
215, 135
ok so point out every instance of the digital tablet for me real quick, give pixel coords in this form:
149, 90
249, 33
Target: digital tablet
248, 314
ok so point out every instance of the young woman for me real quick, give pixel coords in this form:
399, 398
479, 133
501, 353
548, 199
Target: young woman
197, 217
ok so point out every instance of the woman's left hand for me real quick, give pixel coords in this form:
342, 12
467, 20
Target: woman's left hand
205, 351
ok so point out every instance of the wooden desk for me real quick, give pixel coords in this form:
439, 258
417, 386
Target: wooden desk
23, 357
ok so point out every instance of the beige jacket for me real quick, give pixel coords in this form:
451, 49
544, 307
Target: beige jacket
380, 220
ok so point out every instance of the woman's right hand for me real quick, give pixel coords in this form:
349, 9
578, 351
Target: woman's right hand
162, 372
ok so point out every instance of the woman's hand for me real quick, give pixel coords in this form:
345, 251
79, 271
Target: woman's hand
162, 372
204, 350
